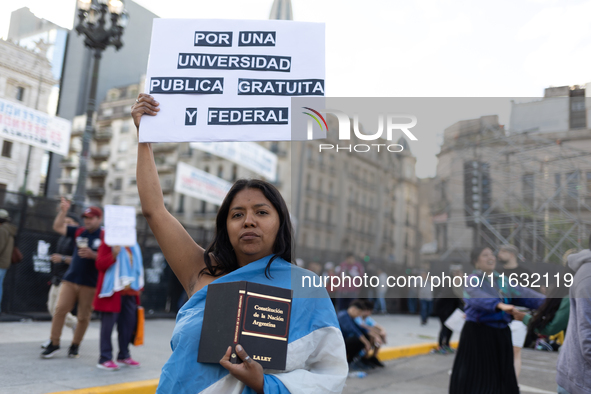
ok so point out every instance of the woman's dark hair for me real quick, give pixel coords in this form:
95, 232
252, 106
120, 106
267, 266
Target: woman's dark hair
476, 253
546, 312
224, 258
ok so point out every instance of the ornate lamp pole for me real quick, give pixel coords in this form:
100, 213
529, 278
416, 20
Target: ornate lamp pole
92, 20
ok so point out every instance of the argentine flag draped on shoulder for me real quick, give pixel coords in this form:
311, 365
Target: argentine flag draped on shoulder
128, 271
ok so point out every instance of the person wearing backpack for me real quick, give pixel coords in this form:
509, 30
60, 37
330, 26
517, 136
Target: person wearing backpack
79, 281
7, 233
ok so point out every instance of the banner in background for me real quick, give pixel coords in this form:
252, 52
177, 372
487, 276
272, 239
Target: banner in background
23, 124
199, 184
246, 154
230, 80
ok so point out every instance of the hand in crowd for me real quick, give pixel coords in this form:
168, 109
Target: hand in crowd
86, 253
249, 372
65, 205
518, 315
145, 104
505, 307
56, 258
115, 251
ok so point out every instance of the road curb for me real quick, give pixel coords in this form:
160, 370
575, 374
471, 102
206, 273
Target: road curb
149, 386
392, 353
140, 387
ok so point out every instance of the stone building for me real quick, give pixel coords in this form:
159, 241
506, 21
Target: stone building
25, 78
538, 194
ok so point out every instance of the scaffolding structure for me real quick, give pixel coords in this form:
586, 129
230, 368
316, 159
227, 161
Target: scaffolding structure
540, 192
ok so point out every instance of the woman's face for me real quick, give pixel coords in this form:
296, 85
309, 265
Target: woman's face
252, 224
486, 261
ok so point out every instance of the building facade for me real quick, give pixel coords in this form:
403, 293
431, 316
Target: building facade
529, 185
25, 78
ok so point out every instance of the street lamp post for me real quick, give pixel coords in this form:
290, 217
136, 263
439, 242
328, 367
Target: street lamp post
92, 20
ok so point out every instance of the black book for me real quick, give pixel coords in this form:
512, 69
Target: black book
250, 314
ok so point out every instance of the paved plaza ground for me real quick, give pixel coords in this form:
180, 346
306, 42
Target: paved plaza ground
22, 371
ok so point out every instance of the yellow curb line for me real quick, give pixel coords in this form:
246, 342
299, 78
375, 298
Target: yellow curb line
141, 387
391, 353
149, 386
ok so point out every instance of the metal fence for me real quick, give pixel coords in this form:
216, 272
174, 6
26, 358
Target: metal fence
27, 283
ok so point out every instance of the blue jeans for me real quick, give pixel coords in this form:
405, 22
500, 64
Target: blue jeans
562, 391
426, 306
380, 305
412, 305
2, 275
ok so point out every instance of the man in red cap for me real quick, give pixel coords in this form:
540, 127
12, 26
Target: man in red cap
79, 282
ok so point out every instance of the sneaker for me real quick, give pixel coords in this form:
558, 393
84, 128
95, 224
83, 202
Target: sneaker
374, 360
73, 352
449, 350
45, 344
129, 362
50, 351
108, 366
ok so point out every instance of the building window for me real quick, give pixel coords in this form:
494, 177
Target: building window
125, 127
132, 181
20, 93
203, 206
306, 210
181, 208
328, 216
234, 172
220, 171
318, 213
118, 184
588, 179
274, 147
206, 169
7, 149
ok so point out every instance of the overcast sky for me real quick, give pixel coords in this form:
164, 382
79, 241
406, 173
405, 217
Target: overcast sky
427, 48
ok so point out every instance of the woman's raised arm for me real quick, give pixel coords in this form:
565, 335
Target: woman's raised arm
182, 253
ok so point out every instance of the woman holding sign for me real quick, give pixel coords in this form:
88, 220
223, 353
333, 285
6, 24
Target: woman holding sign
252, 243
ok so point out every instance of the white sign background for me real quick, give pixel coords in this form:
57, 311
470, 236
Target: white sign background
247, 154
199, 184
302, 41
23, 124
120, 225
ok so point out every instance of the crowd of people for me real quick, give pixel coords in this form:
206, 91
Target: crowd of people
498, 319
253, 242
88, 274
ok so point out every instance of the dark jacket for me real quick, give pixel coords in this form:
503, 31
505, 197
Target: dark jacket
7, 233
65, 247
574, 360
446, 303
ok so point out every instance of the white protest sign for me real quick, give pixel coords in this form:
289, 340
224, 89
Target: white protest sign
199, 184
23, 124
120, 225
230, 80
247, 154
